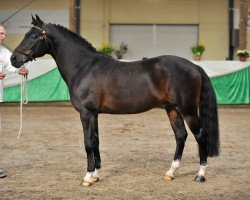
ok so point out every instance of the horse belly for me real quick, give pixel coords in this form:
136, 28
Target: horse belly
132, 103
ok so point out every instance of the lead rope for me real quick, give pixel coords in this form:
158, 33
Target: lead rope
23, 92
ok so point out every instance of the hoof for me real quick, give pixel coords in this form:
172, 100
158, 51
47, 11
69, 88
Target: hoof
200, 179
168, 178
86, 184
95, 178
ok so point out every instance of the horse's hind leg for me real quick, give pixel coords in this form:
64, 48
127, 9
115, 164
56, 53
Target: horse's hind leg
180, 132
193, 124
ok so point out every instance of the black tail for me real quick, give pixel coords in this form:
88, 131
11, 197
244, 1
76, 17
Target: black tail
208, 115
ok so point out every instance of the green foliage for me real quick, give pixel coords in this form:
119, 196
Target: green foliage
198, 49
243, 53
106, 48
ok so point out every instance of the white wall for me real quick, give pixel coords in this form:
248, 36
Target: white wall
155, 40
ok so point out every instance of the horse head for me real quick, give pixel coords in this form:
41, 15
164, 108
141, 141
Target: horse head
34, 44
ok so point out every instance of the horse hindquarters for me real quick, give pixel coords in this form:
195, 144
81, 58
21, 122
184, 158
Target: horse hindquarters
205, 127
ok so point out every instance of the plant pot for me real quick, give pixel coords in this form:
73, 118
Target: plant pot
197, 58
242, 58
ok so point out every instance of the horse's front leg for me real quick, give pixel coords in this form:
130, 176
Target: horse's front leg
91, 146
97, 156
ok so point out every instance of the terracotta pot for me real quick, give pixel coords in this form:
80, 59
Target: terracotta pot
197, 58
242, 58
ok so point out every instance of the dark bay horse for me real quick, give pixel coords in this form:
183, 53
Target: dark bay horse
100, 84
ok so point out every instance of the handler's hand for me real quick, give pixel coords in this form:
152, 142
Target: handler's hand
2, 75
23, 71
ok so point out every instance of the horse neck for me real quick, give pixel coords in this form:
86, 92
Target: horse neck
67, 54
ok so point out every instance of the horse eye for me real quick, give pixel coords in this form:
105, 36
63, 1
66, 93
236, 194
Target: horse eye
33, 36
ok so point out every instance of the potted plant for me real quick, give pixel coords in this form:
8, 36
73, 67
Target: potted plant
243, 55
121, 51
197, 50
106, 48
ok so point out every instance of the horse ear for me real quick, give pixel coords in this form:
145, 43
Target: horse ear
33, 20
39, 22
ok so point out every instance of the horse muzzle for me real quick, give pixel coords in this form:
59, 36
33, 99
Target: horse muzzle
18, 58
15, 62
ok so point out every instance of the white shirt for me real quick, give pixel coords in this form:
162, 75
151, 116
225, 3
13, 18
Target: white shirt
5, 63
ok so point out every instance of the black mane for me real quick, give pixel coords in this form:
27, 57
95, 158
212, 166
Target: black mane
80, 40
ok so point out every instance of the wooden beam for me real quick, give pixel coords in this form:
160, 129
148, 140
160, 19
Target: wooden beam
72, 16
243, 24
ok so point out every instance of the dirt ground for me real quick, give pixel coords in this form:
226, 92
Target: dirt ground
49, 161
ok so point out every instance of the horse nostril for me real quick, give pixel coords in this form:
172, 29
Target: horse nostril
13, 57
